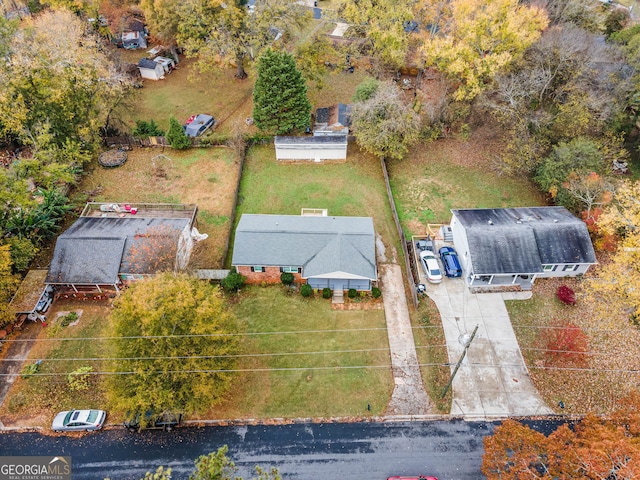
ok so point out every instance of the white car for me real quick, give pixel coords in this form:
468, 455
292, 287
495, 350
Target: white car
431, 267
75, 420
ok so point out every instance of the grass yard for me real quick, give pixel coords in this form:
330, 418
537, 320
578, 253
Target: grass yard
453, 173
353, 188
432, 352
35, 400
185, 92
584, 383
290, 327
206, 177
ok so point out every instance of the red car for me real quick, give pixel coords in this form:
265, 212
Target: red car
419, 477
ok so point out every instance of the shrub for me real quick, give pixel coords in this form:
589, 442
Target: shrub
233, 281
79, 379
176, 135
326, 292
352, 293
566, 295
286, 278
147, 129
30, 370
566, 344
69, 319
306, 290
376, 292
366, 90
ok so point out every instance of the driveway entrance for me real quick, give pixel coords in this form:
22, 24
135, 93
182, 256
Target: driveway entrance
493, 380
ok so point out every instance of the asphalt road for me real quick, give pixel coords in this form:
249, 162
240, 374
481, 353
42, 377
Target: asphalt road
332, 451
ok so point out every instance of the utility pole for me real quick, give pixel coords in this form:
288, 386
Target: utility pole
455, 370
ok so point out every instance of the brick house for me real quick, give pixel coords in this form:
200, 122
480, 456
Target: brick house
334, 252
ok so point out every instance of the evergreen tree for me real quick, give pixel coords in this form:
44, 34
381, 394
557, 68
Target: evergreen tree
176, 135
280, 103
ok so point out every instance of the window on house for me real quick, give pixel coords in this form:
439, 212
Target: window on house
549, 268
257, 269
290, 269
569, 268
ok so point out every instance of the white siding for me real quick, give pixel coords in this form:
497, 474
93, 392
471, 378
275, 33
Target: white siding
315, 152
461, 245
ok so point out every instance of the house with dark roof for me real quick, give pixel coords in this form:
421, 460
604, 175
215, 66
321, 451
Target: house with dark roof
514, 246
112, 243
323, 251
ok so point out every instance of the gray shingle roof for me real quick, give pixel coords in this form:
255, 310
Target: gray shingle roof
521, 240
146, 63
95, 249
321, 245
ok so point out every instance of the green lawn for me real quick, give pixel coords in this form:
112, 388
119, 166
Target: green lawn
310, 384
353, 188
452, 173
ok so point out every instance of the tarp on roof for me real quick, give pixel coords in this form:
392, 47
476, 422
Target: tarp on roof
193, 129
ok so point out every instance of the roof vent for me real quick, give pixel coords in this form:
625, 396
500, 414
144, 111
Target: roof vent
518, 220
555, 220
490, 222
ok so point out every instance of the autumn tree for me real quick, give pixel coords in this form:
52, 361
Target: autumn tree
57, 76
8, 285
618, 281
382, 23
280, 103
385, 125
480, 39
153, 250
173, 343
218, 32
596, 448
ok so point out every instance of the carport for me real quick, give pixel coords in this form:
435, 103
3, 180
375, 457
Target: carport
33, 297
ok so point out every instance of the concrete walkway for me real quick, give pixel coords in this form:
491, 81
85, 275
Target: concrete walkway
493, 381
409, 396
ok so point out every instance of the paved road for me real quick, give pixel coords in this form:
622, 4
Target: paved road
358, 451
451, 450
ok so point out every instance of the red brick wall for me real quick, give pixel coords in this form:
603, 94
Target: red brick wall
269, 275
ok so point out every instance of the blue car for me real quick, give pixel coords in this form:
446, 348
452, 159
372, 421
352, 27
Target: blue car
450, 262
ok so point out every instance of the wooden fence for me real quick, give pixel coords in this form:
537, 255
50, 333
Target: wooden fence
403, 239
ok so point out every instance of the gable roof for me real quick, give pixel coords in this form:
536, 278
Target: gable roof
150, 64
321, 245
95, 249
521, 240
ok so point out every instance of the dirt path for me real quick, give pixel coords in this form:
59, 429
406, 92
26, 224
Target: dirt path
15, 355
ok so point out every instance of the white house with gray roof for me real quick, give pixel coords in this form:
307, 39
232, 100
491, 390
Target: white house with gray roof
514, 246
334, 252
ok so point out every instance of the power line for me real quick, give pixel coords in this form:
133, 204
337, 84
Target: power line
339, 367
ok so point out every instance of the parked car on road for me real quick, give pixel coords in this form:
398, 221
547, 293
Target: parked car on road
418, 477
77, 420
431, 267
450, 262
167, 421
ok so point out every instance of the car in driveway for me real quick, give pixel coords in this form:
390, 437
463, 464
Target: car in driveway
450, 262
431, 267
78, 420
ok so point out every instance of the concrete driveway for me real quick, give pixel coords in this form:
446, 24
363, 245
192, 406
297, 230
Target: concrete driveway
493, 380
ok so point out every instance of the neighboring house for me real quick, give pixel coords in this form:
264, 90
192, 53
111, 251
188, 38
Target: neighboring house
111, 243
514, 246
134, 34
334, 252
334, 120
150, 70
317, 149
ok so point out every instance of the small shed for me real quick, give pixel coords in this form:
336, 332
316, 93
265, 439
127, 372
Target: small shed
167, 63
317, 149
133, 40
150, 69
333, 120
